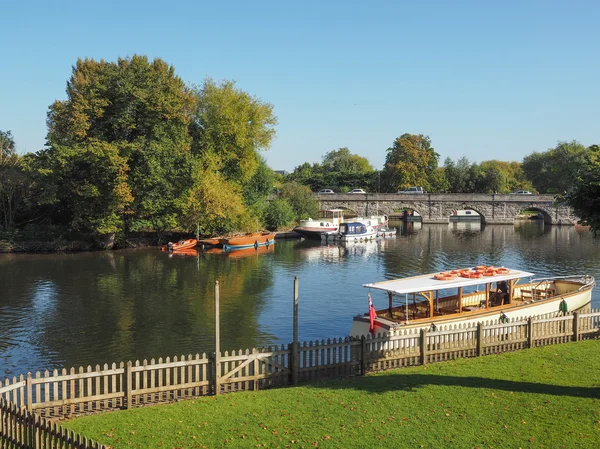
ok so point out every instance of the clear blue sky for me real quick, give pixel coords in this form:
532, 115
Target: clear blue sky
485, 80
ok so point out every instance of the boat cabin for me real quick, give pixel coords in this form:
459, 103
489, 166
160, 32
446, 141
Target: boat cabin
470, 295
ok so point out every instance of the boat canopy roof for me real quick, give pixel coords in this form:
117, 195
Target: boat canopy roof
427, 282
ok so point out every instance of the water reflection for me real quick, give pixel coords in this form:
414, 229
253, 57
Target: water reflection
66, 310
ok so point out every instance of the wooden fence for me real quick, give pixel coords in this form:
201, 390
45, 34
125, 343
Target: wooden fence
32, 401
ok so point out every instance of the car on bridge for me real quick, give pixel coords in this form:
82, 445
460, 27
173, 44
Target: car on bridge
412, 190
522, 192
357, 191
326, 192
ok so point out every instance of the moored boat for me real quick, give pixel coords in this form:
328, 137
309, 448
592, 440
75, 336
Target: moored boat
354, 232
329, 222
254, 239
181, 244
469, 296
249, 252
210, 242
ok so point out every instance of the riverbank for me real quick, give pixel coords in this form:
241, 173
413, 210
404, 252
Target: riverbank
543, 397
139, 240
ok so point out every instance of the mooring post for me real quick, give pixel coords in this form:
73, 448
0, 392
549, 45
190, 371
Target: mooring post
217, 342
295, 354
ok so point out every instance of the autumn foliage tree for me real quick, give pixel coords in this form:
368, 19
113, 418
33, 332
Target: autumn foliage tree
410, 161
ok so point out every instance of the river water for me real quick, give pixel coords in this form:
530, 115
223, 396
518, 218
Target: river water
68, 310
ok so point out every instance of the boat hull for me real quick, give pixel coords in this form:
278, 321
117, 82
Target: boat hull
548, 308
315, 232
248, 241
185, 244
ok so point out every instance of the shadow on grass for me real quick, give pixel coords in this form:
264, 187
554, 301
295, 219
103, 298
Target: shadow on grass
408, 382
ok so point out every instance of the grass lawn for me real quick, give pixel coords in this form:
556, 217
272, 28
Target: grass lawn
539, 398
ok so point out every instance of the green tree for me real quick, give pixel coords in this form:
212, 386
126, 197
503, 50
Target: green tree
143, 111
217, 205
279, 214
12, 181
584, 196
341, 160
555, 170
301, 199
90, 182
230, 128
410, 161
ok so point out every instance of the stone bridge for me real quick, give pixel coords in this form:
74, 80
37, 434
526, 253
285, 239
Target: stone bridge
438, 207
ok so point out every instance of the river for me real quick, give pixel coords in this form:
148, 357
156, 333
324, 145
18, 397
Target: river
68, 310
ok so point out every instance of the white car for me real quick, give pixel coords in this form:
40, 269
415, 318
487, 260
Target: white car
522, 192
412, 190
357, 191
326, 192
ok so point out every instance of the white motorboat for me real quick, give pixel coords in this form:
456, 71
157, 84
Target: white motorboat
329, 224
469, 296
354, 232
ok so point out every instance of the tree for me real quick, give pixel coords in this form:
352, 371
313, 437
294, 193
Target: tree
584, 196
217, 205
341, 160
279, 214
410, 161
554, 171
143, 111
7, 145
301, 199
230, 128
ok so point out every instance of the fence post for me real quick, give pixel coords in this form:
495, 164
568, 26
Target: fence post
575, 326
295, 355
423, 346
128, 384
479, 339
28, 384
217, 342
530, 332
363, 355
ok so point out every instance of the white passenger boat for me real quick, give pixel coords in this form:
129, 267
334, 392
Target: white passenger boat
469, 296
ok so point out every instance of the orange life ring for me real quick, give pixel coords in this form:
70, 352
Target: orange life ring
489, 273
502, 270
465, 274
481, 267
475, 275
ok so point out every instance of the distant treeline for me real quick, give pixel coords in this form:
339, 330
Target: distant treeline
133, 148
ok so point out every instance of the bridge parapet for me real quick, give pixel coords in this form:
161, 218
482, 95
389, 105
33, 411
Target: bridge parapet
438, 207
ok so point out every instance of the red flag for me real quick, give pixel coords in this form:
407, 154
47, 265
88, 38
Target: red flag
372, 315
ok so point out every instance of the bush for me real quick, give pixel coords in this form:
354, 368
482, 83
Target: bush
279, 214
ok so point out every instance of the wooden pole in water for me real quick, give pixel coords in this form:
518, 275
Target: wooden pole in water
217, 342
295, 355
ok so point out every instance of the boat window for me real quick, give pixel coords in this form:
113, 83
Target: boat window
468, 212
322, 224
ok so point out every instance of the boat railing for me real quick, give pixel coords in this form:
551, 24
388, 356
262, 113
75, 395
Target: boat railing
584, 279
